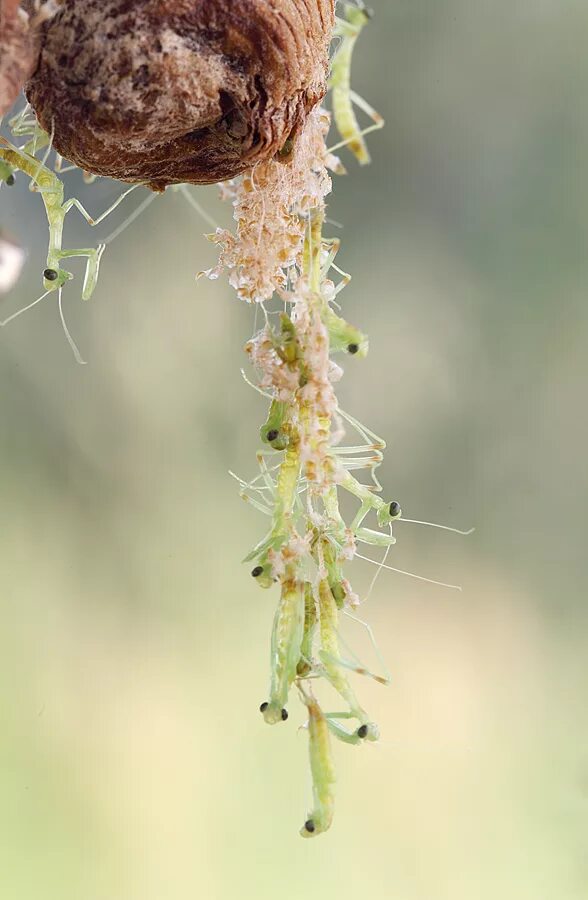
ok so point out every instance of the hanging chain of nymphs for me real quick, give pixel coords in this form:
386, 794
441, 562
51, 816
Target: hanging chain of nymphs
280, 250
304, 466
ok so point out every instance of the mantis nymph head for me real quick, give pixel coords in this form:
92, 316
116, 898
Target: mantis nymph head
6, 173
369, 731
272, 432
53, 279
273, 713
263, 576
389, 513
345, 338
358, 16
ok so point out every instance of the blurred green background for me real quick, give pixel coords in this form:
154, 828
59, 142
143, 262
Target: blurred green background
134, 764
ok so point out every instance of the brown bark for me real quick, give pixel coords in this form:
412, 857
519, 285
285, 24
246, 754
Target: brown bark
169, 91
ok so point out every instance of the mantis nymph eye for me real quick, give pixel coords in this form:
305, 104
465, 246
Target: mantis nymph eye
395, 509
50, 274
353, 349
272, 435
362, 731
9, 180
284, 715
257, 571
263, 707
309, 826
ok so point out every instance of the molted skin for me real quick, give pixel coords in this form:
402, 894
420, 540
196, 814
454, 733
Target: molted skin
170, 91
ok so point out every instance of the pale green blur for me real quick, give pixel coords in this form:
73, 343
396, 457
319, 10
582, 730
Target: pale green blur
134, 764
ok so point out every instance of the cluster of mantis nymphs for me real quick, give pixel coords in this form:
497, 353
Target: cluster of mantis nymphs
304, 466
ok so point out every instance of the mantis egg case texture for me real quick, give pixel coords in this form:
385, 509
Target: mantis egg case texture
171, 91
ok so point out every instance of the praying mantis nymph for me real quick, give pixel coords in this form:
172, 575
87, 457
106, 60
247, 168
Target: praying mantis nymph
343, 336
271, 432
6, 174
330, 657
321, 766
286, 645
349, 29
284, 500
51, 189
386, 511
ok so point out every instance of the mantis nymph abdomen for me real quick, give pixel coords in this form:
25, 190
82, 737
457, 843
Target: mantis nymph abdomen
322, 769
286, 645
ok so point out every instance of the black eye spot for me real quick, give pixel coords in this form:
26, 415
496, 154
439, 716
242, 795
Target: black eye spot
273, 435
10, 180
263, 706
310, 826
394, 508
284, 715
50, 275
257, 571
352, 348
362, 731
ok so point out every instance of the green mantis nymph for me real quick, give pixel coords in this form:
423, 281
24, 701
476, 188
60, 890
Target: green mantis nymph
348, 30
345, 337
322, 768
6, 174
285, 493
56, 208
286, 645
272, 432
331, 658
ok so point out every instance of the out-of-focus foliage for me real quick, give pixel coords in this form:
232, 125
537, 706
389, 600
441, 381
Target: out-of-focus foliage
133, 654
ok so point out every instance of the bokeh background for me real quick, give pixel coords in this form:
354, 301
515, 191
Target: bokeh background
134, 764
